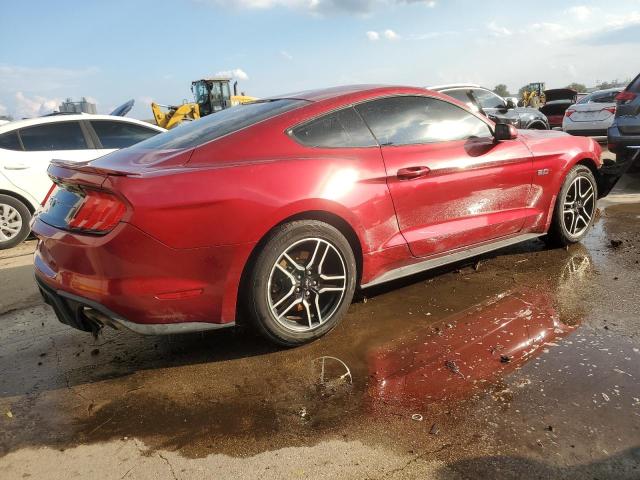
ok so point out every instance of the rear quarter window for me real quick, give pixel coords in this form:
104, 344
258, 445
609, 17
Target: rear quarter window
53, 136
344, 128
10, 141
121, 134
634, 86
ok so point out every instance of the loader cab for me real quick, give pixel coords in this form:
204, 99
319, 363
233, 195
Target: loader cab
212, 94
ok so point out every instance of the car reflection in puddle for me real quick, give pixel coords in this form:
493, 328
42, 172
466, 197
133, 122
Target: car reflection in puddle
466, 353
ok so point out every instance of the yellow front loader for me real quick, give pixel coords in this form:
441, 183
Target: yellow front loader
211, 95
174, 115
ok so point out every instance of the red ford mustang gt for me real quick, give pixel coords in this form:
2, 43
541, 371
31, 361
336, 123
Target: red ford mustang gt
276, 211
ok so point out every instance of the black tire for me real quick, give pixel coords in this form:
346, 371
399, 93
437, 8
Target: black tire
303, 235
24, 214
559, 233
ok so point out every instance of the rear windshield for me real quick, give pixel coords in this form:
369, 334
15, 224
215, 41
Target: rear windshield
635, 85
192, 134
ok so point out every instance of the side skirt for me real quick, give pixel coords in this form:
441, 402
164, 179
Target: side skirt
454, 257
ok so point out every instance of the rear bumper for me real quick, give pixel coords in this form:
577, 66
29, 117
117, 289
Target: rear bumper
89, 316
128, 279
612, 171
618, 142
595, 132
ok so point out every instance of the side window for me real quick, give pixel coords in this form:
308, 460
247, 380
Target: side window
53, 136
10, 141
584, 100
634, 86
607, 97
488, 99
343, 128
464, 96
120, 134
415, 120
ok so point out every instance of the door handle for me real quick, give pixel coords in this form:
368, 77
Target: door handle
16, 166
410, 173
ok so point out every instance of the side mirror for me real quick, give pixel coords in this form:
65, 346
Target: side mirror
511, 103
505, 132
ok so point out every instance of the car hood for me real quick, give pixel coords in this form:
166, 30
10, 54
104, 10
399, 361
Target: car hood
561, 94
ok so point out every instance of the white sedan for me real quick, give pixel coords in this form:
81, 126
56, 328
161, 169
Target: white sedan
27, 147
592, 115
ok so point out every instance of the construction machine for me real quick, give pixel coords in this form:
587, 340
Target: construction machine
211, 95
533, 95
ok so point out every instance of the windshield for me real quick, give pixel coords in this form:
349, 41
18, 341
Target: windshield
211, 127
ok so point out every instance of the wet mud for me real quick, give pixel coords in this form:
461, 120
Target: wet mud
528, 358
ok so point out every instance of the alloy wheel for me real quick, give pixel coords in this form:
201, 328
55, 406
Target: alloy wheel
307, 284
10, 222
579, 206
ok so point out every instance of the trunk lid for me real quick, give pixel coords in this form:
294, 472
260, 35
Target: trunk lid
138, 161
561, 94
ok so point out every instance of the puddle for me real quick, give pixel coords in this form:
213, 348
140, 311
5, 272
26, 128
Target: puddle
473, 358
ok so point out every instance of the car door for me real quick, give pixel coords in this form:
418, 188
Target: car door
111, 135
452, 185
27, 168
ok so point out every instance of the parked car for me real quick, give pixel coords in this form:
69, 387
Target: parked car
592, 115
276, 211
27, 147
623, 137
557, 101
495, 107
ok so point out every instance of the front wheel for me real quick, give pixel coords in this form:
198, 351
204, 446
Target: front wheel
302, 282
14, 222
575, 207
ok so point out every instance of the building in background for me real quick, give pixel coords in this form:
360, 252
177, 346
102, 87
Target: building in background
83, 106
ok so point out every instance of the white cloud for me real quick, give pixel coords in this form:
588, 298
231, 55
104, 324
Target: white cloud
373, 36
235, 73
580, 12
391, 35
286, 55
498, 30
34, 106
387, 34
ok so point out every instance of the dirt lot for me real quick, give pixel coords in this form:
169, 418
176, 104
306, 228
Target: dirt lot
523, 365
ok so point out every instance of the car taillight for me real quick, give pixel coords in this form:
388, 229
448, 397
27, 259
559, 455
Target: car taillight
49, 193
569, 112
625, 96
99, 212
611, 110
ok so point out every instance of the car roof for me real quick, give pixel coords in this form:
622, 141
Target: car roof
29, 122
449, 86
608, 90
353, 93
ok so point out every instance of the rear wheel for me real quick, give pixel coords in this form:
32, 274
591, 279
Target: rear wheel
14, 222
575, 207
302, 282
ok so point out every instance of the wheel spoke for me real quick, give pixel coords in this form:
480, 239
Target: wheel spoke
315, 254
287, 295
317, 304
297, 301
287, 273
307, 308
293, 262
324, 256
573, 223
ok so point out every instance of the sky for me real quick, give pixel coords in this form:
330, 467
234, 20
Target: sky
112, 51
